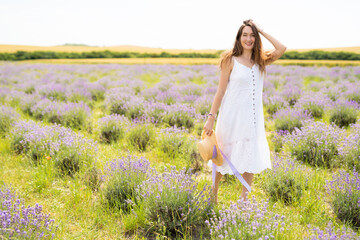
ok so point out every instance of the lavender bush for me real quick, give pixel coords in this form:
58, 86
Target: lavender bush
330, 232
69, 114
343, 116
70, 151
316, 144
125, 104
112, 128
248, 219
179, 148
21, 222
277, 139
285, 182
141, 136
350, 149
173, 141
344, 193
180, 116
121, 178
289, 119
173, 204
7, 117
274, 103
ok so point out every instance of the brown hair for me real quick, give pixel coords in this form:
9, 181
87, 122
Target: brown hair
258, 54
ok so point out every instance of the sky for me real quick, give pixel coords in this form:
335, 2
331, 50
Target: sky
182, 24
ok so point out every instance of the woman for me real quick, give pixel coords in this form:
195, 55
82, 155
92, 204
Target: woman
240, 130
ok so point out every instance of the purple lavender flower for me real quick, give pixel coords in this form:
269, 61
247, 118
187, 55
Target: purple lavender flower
20, 222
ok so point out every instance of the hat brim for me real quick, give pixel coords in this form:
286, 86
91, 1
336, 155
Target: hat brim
218, 160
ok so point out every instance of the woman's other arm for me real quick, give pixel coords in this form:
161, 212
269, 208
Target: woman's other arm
224, 78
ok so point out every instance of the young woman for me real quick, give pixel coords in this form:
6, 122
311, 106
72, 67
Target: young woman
240, 130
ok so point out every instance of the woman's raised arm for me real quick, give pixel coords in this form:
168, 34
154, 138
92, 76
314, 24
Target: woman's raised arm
279, 47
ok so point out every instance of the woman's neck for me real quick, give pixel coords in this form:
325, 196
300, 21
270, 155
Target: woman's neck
247, 54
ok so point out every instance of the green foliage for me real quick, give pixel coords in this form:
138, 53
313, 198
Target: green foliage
141, 137
317, 111
173, 144
91, 178
179, 119
346, 207
310, 79
180, 149
284, 186
288, 123
7, 117
343, 116
112, 128
119, 190
321, 55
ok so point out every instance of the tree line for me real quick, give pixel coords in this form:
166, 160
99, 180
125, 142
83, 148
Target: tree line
29, 55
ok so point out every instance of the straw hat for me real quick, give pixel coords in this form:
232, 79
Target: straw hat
206, 148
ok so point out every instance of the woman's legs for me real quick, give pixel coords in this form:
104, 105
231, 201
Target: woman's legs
215, 188
248, 178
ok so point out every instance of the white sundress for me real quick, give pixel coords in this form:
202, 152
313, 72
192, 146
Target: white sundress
240, 129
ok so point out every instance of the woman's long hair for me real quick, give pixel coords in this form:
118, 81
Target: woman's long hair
258, 55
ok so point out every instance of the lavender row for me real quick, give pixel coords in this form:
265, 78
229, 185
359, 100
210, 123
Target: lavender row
70, 151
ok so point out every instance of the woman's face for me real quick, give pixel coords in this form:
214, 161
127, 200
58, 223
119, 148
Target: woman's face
247, 38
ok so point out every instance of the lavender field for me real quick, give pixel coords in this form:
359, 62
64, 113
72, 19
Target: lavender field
109, 151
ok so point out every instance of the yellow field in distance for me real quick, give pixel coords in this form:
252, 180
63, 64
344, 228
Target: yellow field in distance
188, 61
123, 48
129, 48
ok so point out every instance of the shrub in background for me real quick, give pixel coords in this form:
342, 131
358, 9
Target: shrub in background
203, 104
111, 128
180, 116
316, 144
289, 119
350, 148
21, 222
291, 92
248, 219
8, 115
344, 193
141, 136
173, 141
343, 116
274, 103
69, 114
316, 111
125, 104
155, 111
314, 104
70, 150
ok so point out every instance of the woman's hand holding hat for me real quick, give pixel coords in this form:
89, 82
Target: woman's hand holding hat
209, 125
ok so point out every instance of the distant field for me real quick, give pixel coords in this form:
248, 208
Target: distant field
123, 48
129, 48
191, 61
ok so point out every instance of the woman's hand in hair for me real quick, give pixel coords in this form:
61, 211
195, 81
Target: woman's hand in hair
258, 27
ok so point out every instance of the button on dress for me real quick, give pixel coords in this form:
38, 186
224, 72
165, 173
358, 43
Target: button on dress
240, 129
